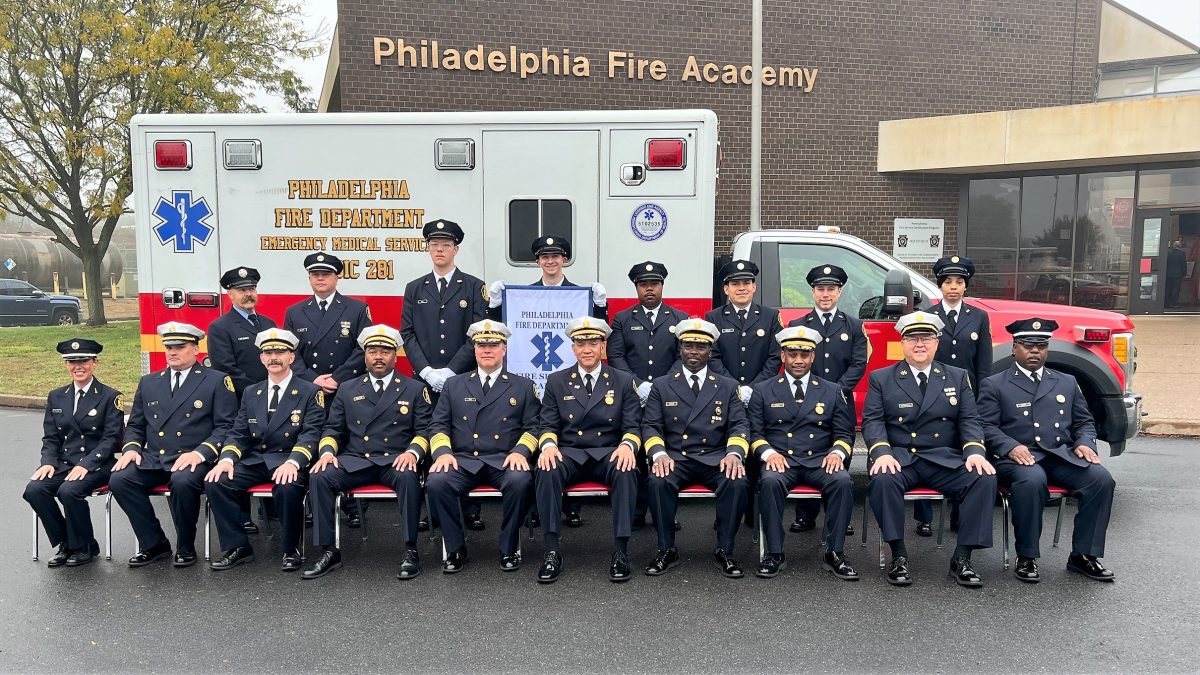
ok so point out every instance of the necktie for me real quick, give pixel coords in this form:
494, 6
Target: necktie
825, 319
951, 318
323, 305
175, 386
487, 384
923, 379
696, 384
442, 287
651, 316
742, 315
378, 386
274, 401
1036, 380
799, 391
78, 399
587, 383
254, 320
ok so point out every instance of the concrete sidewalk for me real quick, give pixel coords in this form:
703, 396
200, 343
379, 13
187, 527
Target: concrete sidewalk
1168, 373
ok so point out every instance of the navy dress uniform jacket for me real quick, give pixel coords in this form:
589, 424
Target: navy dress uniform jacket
841, 356
198, 417
598, 312
1052, 419
942, 426
746, 351
367, 429
704, 428
292, 432
590, 427
86, 437
329, 339
482, 429
435, 328
231, 348
968, 343
647, 351
803, 433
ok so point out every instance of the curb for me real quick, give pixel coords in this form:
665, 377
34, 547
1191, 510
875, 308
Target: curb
36, 402
1153, 427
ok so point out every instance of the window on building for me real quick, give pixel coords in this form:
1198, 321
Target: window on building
993, 209
1169, 187
529, 219
1126, 84
1179, 79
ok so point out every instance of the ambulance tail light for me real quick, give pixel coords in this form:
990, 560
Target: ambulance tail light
172, 155
666, 153
202, 299
245, 155
1083, 334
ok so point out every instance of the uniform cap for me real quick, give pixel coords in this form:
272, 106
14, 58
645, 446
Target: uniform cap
380, 335
79, 349
442, 229
919, 323
954, 265
240, 277
323, 262
588, 328
276, 338
544, 245
826, 275
1035, 330
738, 269
488, 332
648, 271
696, 330
798, 337
175, 333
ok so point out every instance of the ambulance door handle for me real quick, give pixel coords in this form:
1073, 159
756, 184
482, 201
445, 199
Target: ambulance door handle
172, 298
633, 174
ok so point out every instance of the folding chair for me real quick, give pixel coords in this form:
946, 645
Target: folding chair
482, 492
915, 495
102, 491
359, 494
798, 492
1057, 494
261, 491
163, 491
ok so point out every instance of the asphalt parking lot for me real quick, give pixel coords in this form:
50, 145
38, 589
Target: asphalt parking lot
105, 617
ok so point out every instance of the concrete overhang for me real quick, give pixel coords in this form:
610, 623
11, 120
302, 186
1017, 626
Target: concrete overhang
1135, 131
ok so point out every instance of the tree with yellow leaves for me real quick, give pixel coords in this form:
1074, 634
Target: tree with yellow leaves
73, 73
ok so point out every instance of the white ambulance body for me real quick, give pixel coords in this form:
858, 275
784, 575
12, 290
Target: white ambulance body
212, 192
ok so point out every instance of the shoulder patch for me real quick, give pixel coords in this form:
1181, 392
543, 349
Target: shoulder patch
484, 292
229, 383
425, 394
782, 324
368, 310
321, 397
843, 395
207, 362
119, 401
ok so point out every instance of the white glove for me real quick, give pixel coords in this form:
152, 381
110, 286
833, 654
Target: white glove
599, 294
643, 391
424, 374
745, 394
443, 375
496, 294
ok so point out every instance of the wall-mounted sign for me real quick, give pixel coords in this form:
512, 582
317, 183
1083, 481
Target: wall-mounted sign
919, 240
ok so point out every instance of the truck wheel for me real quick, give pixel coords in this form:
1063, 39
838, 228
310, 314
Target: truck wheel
63, 319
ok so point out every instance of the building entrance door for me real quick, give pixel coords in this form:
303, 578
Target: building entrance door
1150, 239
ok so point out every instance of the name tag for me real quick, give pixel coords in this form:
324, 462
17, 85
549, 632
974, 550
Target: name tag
422, 301
568, 398
670, 404
1024, 405
301, 330
252, 420
637, 328
244, 337
728, 330
715, 420
469, 399
402, 403
151, 403
358, 398
903, 406
778, 405
56, 410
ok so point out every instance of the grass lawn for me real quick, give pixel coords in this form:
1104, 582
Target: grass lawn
30, 366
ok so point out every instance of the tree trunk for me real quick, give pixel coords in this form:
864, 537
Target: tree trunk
92, 258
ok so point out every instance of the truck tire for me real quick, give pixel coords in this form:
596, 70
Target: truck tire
62, 318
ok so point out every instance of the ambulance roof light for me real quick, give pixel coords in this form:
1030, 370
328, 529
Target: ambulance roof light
172, 155
666, 153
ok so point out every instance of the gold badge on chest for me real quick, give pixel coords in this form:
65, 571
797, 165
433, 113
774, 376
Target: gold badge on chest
198, 404
403, 410
820, 408
512, 401
295, 417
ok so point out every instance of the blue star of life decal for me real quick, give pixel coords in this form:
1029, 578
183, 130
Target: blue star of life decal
182, 221
547, 344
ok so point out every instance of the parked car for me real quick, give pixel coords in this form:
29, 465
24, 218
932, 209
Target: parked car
23, 304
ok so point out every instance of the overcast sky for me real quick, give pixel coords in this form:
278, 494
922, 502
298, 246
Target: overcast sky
1181, 17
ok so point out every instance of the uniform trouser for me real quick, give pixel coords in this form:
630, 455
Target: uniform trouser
837, 491
226, 498
1092, 485
323, 487
975, 493
131, 488
642, 505
732, 496
549, 486
808, 509
446, 488
75, 528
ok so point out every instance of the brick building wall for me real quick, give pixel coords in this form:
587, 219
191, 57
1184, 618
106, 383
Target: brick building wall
877, 60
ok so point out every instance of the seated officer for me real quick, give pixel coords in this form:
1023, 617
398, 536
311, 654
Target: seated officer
695, 430
590, 426
802, 429
81, 431
374, 435
1022, 409
272, 441
484, 432
922, 430
180, 418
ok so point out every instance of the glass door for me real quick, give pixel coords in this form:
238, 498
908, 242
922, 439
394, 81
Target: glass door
1150, 237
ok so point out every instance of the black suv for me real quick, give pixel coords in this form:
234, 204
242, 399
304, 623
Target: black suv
22, 303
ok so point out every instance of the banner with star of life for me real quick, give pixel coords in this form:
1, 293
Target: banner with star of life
538, 318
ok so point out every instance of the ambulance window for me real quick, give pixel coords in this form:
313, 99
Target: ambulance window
864, 279
529, 219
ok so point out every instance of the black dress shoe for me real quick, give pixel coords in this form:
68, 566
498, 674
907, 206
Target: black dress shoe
960, 569
157, 552
184, 559
662, 562
327, 562
60, 556
770, 566
802, 525
1089, 566
354, 520
232, 558
410, 565
551, 568
84, 556
836, 563
638, 523
849, 530
249, 527
535, 520
510, 562
898, 575
292, 561
573, 519
728, 566
924, 529
1027, 570
455, 561
619, 570
474, 521
423, 524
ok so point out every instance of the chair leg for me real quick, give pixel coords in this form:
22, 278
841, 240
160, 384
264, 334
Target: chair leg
1004, 526
35, 536
762, 540
941, 520
337, 521
108, 526
1062, 501
207, 533
362, 516
881, 548
864, 527
303, 509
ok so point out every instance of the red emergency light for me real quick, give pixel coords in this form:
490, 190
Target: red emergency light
202, 299
1083, 334
665, 153
172, 155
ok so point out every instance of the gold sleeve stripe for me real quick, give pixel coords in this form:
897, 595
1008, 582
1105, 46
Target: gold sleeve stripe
420, 442
549, 436
303, 451
738, 442
758, 444
970, 443
654, 441
212, 447
440, 441
845, 446
880, 443
234, 449
135, 444
329, 442
528, 441
634, 439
